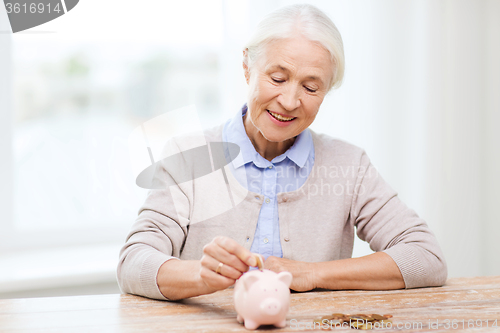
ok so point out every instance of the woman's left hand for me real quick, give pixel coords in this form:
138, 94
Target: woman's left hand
303, 272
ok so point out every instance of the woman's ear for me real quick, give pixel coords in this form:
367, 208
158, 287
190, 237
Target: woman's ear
245, 65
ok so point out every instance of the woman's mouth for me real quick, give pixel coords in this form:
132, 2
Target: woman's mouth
280, 117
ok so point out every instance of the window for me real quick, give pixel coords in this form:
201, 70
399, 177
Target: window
78, 91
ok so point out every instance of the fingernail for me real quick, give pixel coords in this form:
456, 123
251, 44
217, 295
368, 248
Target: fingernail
252, 261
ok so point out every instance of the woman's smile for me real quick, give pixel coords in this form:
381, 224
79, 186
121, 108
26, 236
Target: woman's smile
280, 119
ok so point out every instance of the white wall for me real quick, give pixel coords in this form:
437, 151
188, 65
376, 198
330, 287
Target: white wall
491, 138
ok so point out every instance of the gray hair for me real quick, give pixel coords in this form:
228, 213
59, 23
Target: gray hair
311, 23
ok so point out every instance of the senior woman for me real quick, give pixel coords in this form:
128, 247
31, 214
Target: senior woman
306, 193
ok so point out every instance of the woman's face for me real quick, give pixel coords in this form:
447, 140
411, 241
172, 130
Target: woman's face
287, 86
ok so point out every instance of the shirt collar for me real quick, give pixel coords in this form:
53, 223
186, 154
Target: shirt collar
234, 132
301, 148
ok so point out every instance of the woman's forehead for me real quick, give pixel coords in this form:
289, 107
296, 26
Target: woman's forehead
298, 56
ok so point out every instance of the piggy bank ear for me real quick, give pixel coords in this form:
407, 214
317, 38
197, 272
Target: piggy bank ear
248, 281
286, 278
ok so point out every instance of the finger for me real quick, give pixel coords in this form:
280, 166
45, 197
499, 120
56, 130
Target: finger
239, 251
226, 270
273, 264
214, 280
219, 254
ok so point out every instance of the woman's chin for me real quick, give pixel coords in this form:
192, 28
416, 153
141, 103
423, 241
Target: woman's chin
272, 136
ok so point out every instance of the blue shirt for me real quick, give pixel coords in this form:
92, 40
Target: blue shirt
285, 173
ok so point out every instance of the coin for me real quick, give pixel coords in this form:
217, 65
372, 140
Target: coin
378, 317
358, 316
358, 321
260, 261
363, 327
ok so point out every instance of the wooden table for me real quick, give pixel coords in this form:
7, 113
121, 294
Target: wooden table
469, 302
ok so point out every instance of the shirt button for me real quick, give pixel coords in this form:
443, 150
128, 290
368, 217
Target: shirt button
270, 167
266, 240
267, 200
287, 239
285, 199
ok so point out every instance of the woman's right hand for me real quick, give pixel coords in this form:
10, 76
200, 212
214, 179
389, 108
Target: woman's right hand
235, 260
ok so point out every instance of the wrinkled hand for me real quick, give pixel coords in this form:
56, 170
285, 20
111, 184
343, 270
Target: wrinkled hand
302, 272
234, 257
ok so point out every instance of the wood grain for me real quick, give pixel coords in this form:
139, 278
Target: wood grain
426, 309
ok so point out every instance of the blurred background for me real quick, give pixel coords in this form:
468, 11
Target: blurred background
421, 95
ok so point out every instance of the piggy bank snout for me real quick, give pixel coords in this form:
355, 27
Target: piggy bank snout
270, 306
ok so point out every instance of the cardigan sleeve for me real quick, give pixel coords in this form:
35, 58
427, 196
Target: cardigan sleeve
388, 225
154, 239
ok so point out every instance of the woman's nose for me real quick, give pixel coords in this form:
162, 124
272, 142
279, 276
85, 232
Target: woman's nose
289, 98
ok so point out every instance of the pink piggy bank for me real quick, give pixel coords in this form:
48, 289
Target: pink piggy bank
262, 297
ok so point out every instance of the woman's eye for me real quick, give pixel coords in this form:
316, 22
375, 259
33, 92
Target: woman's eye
278, 80
310, 89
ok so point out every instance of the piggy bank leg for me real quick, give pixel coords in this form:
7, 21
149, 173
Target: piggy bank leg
281, 323
239, 319
250, 324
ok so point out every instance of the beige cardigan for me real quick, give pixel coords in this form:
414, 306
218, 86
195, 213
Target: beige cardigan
343, 193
